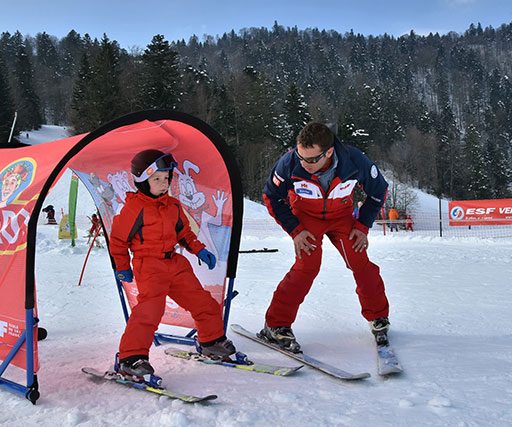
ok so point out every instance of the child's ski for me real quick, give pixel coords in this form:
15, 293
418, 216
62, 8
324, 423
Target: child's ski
281, 371
114, 376
301, 357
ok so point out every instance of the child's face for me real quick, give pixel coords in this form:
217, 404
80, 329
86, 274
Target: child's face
159, 183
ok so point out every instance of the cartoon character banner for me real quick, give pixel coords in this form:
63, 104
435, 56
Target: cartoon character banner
480, 212
23, 172
200, 181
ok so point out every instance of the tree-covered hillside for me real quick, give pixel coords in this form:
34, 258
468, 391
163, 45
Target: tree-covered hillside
436, 109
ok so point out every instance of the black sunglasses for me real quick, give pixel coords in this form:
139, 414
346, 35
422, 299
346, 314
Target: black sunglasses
311, 160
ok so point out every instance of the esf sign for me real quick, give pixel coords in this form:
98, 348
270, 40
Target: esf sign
486, 211
480, 212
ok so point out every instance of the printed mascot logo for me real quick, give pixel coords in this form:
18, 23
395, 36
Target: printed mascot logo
15, 178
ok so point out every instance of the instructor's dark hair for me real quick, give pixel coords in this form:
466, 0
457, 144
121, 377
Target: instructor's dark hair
315, 133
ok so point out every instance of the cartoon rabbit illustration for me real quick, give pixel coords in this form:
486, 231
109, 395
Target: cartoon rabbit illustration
193, 199
189, 196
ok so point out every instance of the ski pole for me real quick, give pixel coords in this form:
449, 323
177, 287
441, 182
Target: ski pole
87, 256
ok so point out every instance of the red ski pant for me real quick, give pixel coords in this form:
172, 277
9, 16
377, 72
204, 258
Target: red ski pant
157, 278
294, 287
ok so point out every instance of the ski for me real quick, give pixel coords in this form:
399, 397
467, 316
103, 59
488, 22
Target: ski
114, 376
387, 362
303, 358
281, 371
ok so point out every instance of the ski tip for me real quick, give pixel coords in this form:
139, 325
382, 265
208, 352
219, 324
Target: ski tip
360, 376
394, 372
197, 399
91, 371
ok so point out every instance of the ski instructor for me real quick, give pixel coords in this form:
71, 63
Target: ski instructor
310, 194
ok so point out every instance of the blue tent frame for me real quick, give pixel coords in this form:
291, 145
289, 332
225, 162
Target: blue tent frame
187, 339
30, 390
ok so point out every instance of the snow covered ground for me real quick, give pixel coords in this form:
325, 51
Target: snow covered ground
450, 313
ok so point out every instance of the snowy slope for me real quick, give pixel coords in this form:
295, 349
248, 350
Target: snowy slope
450, 328
45, 134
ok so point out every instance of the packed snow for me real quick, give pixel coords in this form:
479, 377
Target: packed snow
450, 319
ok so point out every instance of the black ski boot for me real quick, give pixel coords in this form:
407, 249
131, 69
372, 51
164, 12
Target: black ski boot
380, 329
282, 336
137, 369
221, 348
135, 366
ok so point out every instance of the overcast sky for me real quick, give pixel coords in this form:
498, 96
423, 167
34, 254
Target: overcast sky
135, 22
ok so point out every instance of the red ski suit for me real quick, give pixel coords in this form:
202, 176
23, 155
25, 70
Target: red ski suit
150, 229
298, 202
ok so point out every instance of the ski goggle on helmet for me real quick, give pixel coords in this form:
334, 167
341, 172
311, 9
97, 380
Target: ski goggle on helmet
147, 162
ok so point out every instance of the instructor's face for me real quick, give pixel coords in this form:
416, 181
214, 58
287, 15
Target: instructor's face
313, 159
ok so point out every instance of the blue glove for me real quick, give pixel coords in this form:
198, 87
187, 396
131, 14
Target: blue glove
208, 258
125, 275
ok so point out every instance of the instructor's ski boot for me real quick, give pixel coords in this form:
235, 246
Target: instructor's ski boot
137, 369
218, 349
380, 329
282, 336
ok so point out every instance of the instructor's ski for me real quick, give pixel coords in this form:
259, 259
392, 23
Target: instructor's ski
387, 362
281, 371
114, 376
304, 358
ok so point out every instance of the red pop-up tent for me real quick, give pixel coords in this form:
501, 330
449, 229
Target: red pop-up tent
206, 181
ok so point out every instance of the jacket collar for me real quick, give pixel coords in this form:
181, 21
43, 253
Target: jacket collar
146, 199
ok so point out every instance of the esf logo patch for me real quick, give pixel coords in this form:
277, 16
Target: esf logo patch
457, 213
304, 191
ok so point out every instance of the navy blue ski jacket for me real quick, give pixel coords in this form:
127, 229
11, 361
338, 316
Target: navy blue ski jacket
291, 191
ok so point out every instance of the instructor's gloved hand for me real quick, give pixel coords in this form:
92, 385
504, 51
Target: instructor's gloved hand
125, 275
208, 258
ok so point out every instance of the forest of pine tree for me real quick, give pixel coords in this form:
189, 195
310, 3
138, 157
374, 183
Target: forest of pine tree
434, 110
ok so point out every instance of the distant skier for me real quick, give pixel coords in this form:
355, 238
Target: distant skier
50, 215
409, 223
150, 225
310, 193
94, 231
393, 218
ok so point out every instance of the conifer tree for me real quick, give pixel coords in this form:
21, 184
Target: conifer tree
8, 50
296, 115
71, 50
82, 105
106, 102
498, 130
224, 118
26, 99
6, 105
160, 85
476, 165
48, 76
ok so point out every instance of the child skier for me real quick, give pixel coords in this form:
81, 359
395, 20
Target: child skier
50, 215
150, 225
94, 231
